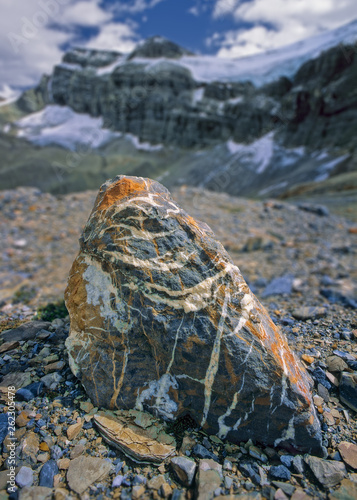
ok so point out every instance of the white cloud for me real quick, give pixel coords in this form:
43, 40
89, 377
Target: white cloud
34, 32
84, 14
115, 36
278, 22
136, 6
194, 11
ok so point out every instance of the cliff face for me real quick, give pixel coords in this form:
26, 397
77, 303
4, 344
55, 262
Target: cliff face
153, 95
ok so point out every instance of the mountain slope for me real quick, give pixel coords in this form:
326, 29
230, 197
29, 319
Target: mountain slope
154, 112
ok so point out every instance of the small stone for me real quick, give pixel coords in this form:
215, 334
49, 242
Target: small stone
287, 488
257, 453
279, 286
22, 419
334, 380
300, 494
208, 479
348, 390
323, 392
287, 460
228, 482
84, 471
54, 367
165, 491
336, 364
305, 313
348, 453
156, 482
52, 380
86, 406
184, 469
44, 446
43, 457
318, 400
117, 481
77, 450
47, 474
280, 495
74, 430
202, 452
36, 493
63, 463
138, 445
30, 447
26, 331
250, 470
329, 418
24, 477
187, 444
308, 359
24, 395
138, 491
347, 491
56, 452
280, 472
227, 465
61, 494
327, 472
7, 346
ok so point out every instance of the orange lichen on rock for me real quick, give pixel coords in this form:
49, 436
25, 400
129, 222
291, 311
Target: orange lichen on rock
121, 189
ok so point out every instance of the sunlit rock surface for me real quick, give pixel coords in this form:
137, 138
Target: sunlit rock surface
163, 321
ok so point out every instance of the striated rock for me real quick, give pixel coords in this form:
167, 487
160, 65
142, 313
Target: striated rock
327, 472
137, 445
84, 471
162, 320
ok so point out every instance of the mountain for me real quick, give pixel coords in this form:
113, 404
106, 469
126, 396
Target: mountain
256, 126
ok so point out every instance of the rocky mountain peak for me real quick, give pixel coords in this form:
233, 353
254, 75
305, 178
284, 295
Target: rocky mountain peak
158, 46
90, 57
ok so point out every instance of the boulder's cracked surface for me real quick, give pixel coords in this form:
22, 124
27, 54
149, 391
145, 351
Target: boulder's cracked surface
163, 321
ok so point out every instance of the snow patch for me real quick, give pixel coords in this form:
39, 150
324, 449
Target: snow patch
259, 152
144, 146
63, 126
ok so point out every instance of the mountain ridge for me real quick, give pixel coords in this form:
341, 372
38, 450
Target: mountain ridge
275, 136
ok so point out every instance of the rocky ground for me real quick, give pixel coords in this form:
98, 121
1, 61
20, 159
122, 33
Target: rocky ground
300, 261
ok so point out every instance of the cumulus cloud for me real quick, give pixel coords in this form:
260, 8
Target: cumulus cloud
84, 13
115, 36
277, 22
136, 6
35, 32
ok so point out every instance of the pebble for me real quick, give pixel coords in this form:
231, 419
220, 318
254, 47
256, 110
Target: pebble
327, 472
348, 453
84, 471
202, 452
280, 472
184, 469
47, 474
24, 477
348, 390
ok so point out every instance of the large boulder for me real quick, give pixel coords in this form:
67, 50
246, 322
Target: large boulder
163, 321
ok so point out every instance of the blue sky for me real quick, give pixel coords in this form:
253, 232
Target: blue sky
35, 33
